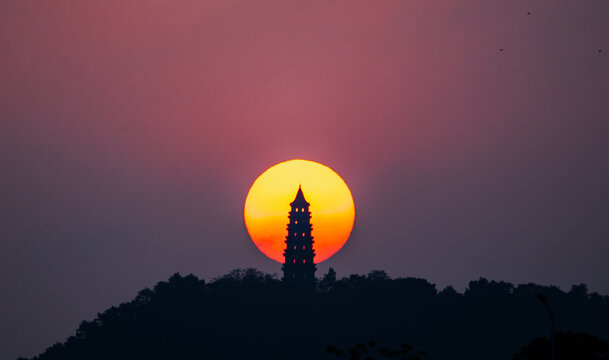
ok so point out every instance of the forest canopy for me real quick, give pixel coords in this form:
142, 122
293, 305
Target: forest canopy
250, 314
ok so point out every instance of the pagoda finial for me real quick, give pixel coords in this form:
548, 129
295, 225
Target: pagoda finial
300, 199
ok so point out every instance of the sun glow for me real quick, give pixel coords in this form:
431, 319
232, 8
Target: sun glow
268, 203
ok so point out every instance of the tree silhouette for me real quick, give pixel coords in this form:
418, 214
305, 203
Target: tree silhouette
569, 346
253, 315
328, 281
370, 351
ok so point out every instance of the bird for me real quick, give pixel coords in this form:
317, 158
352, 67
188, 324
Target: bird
528, 13
501, 49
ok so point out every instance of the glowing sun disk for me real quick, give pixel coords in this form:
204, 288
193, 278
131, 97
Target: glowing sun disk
268, 203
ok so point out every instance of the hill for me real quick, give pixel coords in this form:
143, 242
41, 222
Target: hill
247, 314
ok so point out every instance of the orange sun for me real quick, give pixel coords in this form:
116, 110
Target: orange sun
268, 203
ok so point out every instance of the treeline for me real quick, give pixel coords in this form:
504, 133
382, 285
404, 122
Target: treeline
247, 314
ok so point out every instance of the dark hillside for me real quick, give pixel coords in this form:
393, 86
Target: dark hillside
250, 315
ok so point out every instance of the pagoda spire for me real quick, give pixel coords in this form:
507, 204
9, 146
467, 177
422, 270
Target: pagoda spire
299, 199
298, 265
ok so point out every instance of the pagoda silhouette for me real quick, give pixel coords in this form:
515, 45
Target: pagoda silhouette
299, 253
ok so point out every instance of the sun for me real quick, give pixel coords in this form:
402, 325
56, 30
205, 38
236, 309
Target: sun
268, 203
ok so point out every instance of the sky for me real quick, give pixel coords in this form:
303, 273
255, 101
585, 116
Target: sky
474, 138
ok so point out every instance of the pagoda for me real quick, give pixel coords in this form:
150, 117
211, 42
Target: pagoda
299, 253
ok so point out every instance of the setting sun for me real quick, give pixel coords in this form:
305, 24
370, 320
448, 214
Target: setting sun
268, 203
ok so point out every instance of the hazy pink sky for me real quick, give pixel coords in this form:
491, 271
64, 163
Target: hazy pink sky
131, 132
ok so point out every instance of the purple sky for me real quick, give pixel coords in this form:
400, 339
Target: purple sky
131, 132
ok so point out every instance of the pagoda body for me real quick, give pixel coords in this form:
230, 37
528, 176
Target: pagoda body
299, 253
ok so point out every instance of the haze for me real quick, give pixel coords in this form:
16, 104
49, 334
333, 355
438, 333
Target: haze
473, 136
